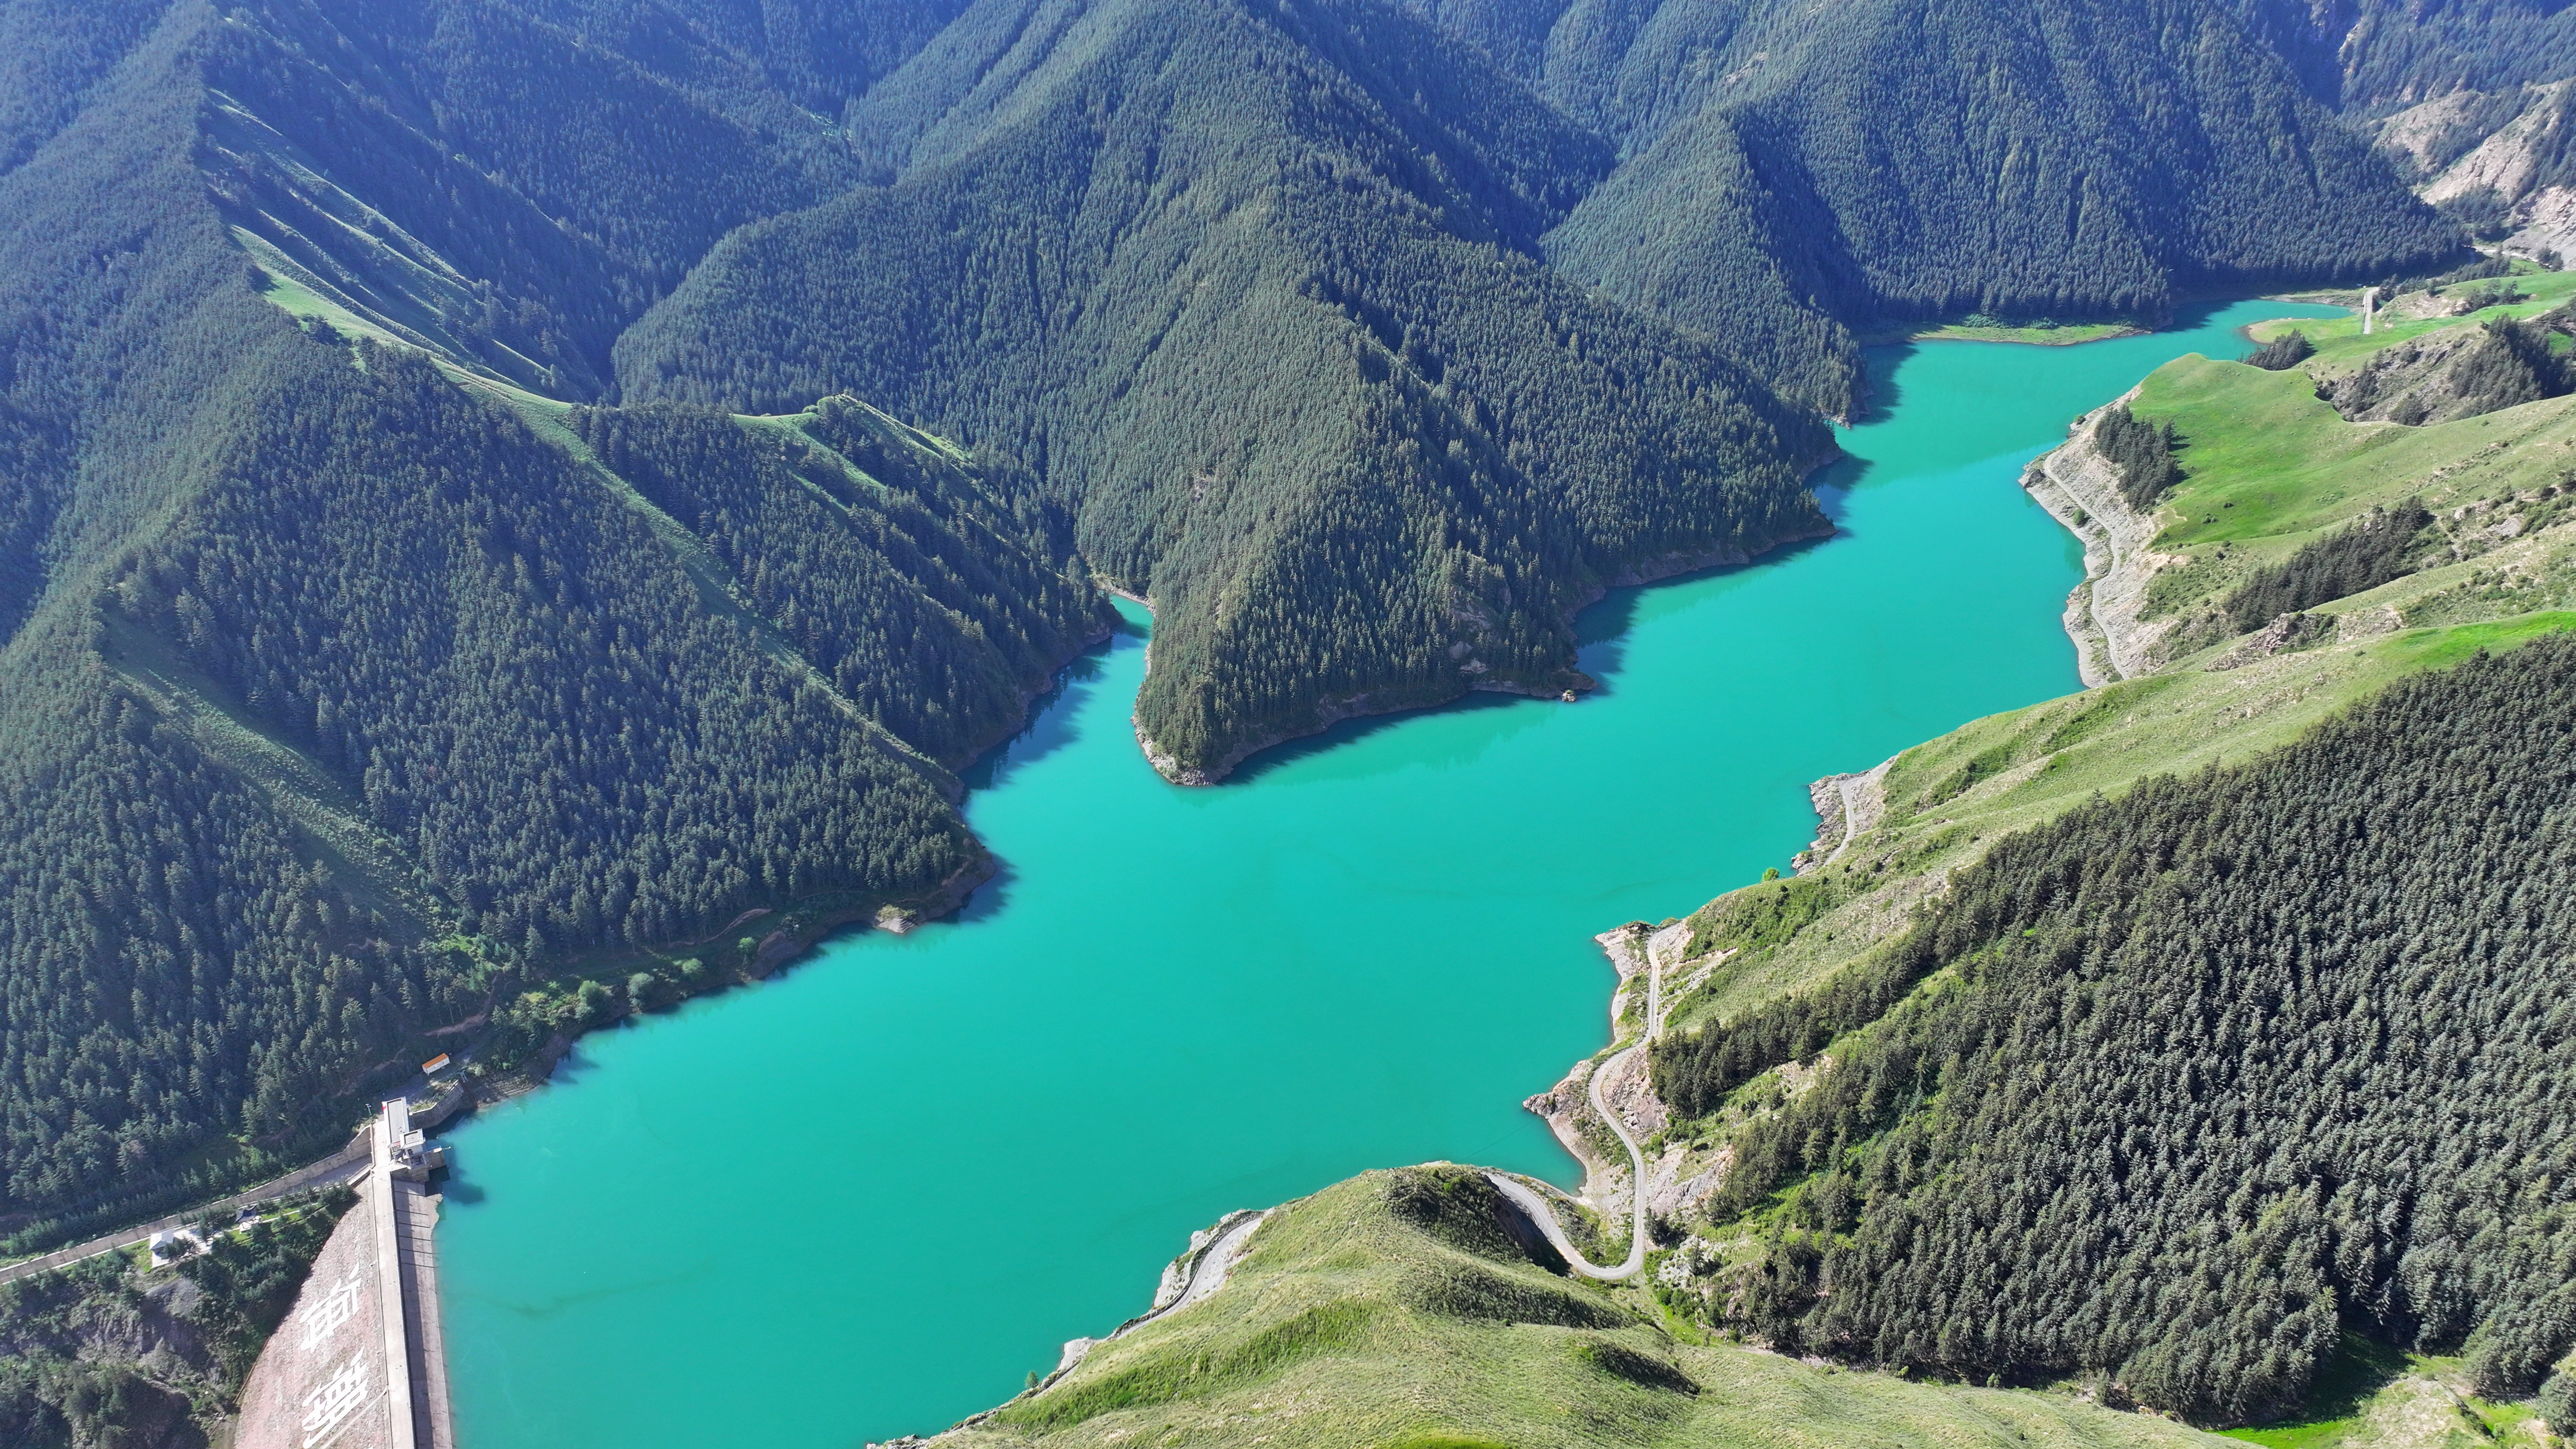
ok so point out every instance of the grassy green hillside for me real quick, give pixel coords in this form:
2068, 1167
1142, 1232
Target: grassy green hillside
1396, 1311
2371, 1396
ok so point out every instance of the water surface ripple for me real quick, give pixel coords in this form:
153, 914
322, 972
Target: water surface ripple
868, 1197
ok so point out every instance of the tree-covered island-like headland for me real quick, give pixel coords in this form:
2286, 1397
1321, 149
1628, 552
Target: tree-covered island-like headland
2193, 1044
513, 512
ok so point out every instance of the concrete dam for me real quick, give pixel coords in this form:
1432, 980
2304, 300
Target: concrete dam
361, 1360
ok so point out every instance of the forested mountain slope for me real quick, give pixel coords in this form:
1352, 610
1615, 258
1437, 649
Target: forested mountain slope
515, 183
1286, 246
2373, 56
410, 706
2207, 1070
2231, 1063
348, 700
1909, 162
2469, 100
1254, 286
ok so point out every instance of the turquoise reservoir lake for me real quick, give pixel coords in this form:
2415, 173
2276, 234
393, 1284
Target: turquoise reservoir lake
868, 1197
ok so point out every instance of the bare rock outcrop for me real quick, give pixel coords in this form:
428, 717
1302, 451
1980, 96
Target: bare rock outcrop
2516, 165
1680, 1179
1626, 948
1627, 1090
1568, 1113
1847, 808
1679, 1176
2285, 633
2460, 372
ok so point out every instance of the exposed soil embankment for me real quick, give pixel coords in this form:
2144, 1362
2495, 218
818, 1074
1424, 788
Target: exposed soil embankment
2105, 615
1847, 808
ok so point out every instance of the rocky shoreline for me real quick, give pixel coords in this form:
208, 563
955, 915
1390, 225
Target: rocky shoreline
1676, 1179
2104, 614
1847, 808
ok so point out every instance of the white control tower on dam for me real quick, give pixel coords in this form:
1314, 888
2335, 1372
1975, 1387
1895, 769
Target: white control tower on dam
361, 1362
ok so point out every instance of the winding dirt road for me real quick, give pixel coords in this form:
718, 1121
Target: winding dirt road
1535, 1203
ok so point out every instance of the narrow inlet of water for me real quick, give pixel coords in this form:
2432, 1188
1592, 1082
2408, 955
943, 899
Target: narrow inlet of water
868, 1197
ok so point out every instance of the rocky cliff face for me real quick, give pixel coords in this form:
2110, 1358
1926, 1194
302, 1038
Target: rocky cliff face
1847, 807
2498, 156
2459, 372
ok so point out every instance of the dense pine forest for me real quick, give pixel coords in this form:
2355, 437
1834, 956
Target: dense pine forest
2205, 1074
2142, 452
2033, 203
498, 495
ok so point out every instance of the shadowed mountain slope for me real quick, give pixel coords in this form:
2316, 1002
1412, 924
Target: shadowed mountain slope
1909, 162
2368, 57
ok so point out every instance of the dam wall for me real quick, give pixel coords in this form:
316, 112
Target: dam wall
361, 1360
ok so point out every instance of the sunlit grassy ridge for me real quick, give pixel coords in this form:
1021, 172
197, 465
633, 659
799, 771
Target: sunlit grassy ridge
1351, 1323
2341, 342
